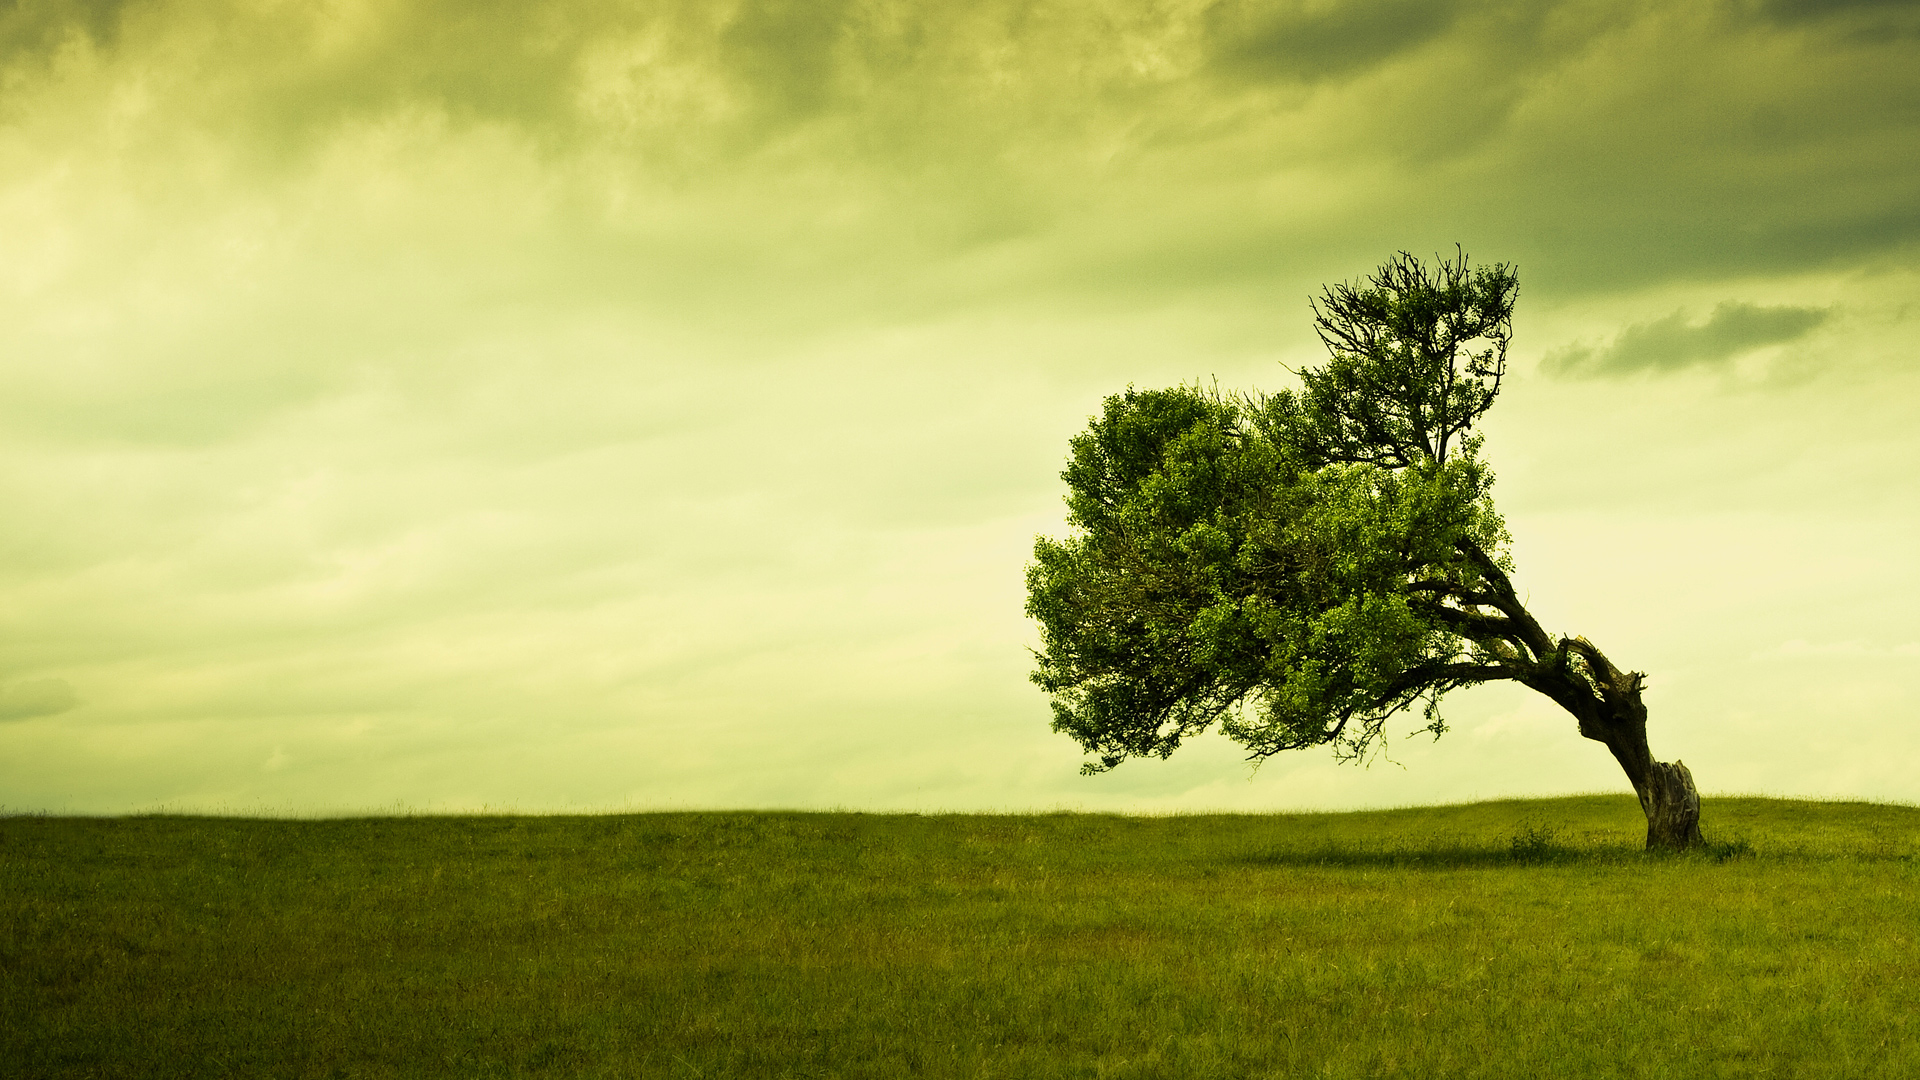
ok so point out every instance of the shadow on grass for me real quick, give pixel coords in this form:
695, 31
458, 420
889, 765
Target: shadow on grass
1533, 845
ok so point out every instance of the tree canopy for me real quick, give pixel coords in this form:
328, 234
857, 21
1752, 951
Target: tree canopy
1300, 567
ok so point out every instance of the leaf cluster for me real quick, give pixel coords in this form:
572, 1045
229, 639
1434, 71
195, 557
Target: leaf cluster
1415, 357
1217, 574
1298, 567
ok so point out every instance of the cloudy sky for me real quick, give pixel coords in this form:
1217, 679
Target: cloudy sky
444, 404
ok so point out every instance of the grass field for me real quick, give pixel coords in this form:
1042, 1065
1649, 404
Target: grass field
1506, 939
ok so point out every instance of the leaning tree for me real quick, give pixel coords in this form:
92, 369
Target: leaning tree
1302, 566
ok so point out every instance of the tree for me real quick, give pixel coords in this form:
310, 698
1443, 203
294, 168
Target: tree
1301, 567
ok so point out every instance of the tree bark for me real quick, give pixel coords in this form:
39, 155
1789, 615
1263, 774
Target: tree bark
1672, 806
1607, 703
1577, 676
1667, 794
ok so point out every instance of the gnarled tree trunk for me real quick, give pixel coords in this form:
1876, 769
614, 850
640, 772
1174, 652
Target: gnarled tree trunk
1672, 806
1606, 701
1667, 794
1604, 698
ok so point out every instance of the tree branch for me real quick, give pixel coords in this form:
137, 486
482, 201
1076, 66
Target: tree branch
1473, 625
1507, 600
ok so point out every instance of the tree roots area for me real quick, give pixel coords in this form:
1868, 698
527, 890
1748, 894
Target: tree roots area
1505, 939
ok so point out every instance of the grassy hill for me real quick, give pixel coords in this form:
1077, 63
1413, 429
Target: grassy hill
1522, 938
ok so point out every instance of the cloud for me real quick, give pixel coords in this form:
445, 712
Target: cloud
1673, 343
503, 370
37, 29
1881, 17
1298, 42
1601, 145
36, 697
786, 50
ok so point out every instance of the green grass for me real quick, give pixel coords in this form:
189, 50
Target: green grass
1506, 939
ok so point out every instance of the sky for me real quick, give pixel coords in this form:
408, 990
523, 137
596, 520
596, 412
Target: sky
449, 405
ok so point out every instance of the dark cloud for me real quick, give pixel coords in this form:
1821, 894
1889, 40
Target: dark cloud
1604, 145
36, 697
1873, 17
36, 28
786, 50
1289, 41
485, 60
1673, 343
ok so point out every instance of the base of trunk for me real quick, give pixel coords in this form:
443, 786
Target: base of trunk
1672, 806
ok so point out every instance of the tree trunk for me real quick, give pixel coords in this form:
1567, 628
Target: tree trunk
1672, 806
1604, 698
1667, 794
1666, 790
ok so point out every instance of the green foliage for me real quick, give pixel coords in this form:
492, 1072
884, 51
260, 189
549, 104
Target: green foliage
1416, 356
1402, 943
1727, 849
1213, 568
1277, 564
1537, 843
